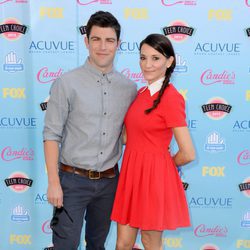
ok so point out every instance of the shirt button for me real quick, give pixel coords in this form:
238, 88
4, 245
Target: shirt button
101, 153
104, 113
105, 93
104, 133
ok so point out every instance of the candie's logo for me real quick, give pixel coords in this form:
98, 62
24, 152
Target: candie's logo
46, 227
44, 75
16, 1
203, 230
209, 77
10, 154
247, 3
87, 2
178, 31
12, 29
5, 1
216, 108
243, 158
169, 3
134, 76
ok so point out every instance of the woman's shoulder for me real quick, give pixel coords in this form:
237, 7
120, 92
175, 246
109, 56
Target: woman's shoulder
171, 91
142, 89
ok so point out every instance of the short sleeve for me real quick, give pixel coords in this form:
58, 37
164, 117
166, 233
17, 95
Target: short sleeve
57, 112
174, 108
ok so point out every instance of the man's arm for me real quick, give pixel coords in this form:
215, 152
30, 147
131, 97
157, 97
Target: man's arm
54, 192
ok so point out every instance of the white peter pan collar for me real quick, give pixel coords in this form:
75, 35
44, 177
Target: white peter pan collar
155, 86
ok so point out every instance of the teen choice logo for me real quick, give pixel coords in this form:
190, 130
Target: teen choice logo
11, 29
216, 108
178, 31
209, 247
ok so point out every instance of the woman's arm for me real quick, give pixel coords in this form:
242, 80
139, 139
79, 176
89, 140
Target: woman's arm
186, 152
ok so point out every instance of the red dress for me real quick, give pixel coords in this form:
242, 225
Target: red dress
150, 195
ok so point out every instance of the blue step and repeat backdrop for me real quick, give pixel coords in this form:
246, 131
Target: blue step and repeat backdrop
41, 39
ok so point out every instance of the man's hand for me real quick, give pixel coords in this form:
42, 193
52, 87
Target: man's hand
55, 195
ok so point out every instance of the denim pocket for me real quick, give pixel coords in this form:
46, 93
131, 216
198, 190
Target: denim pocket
61, 223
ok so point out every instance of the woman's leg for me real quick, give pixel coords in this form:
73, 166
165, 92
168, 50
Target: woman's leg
151, 240
126, 237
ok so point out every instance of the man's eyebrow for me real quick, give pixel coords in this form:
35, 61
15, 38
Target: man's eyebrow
107, 38
111, 38
94, 37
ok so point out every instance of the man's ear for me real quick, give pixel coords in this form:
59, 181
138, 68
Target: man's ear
118, 43
86, 41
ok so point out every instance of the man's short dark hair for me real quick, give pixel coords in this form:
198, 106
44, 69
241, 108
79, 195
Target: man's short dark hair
103, 19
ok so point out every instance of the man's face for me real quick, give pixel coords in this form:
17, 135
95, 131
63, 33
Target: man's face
102, 45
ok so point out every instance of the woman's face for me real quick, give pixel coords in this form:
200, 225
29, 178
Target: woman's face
153, 64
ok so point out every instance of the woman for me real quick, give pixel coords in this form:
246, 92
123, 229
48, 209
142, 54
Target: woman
150, 196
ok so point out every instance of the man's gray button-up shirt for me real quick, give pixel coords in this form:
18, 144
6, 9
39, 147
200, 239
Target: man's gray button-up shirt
85, 115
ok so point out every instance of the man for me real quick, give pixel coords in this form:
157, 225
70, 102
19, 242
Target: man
82, 129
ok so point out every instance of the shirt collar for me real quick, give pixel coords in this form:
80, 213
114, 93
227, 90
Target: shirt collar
94, 70
155, 86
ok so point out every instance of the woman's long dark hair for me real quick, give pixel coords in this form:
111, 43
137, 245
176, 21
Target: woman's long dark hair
163, 45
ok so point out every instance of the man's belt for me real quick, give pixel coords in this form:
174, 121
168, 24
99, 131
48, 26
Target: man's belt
91, 174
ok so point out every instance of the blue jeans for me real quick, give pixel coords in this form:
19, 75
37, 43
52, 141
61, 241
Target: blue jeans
94, 198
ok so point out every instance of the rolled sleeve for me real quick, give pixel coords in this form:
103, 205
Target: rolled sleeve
57, 112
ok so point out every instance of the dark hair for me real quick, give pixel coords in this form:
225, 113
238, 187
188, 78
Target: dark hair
103, 19
163, 45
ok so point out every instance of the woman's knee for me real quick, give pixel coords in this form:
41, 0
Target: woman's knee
151, 239
124, 245
126, 237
